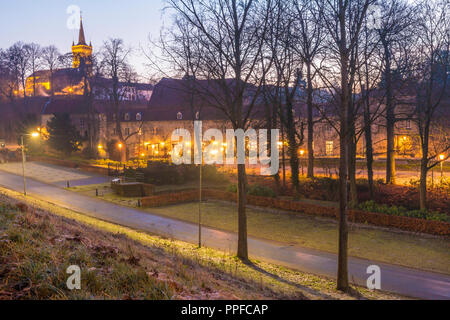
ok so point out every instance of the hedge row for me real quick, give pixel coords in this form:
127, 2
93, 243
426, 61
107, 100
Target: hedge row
358, 216
133, 189
169, 198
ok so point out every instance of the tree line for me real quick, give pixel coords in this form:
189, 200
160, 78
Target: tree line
351, 63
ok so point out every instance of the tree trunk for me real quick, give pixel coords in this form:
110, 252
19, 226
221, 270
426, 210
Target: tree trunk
369, 147
242, 216
424, 167
423, 185
390, 156
292, 149
283, 156
390, 118
309, 103
352, 172
342, 274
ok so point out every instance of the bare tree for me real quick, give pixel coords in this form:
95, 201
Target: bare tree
396, 19
285, 79
50, 59
34, 52
432, 76
309, 46
17, 60
231, 36
8, 77
343, 21
115, 66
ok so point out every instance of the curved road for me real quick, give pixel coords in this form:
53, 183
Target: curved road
405, 281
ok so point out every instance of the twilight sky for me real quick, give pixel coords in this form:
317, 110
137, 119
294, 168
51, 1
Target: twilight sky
45, 22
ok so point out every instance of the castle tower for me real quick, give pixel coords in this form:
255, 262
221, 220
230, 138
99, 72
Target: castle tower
82, 53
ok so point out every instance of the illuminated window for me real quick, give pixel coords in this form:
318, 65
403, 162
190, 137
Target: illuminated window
329, 148
138, 116
179, 116
127, 116
408, 124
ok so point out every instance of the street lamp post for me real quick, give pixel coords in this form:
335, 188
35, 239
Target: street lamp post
200, 205
34, 135
441, 158
301, 158
23, 166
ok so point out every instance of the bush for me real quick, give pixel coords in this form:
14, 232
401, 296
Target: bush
133, 189
232, 188
89, 153
113, 151
261, 191
371, 206
320, 188
210, 174
163, 173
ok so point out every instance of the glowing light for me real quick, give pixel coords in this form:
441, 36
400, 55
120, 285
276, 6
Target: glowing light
156, 152
142, 154
120, 145
187, 144
100, 147
146, 143
280, 143
35, 134
441, 157
224, 144
153, 146
302, 152
16, 92
162, 144
70, 90
215, 143
214, 152
405, 137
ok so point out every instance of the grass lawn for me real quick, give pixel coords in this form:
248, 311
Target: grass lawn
427, 253
375, 244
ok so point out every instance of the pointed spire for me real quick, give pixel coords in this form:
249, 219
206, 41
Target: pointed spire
81, 40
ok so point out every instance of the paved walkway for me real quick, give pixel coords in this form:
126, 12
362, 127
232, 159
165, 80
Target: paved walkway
53, 174
396, 279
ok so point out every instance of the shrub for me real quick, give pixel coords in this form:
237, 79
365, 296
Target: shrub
210, 174
113, 151
133, 189
163, 173
372, 206
232, 188
262, 191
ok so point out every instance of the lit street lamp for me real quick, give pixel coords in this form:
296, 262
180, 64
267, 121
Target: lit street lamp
302, 152
34, 135
441, 158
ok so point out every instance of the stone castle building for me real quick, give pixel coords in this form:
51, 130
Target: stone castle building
71, 81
